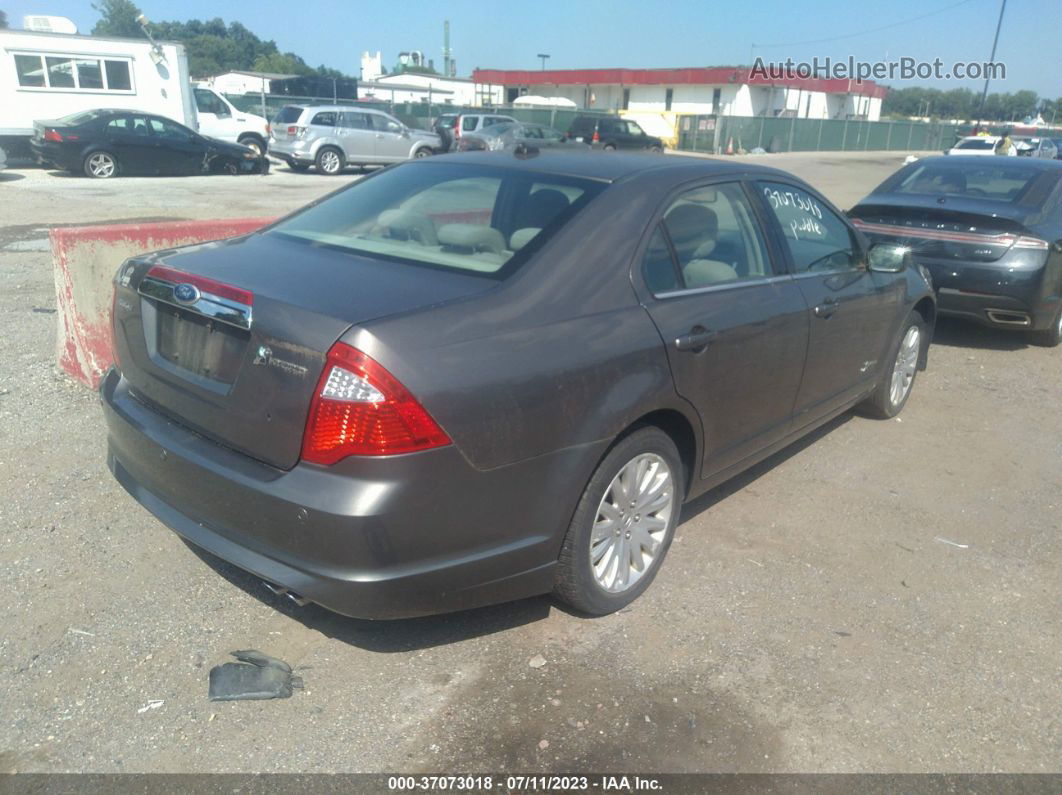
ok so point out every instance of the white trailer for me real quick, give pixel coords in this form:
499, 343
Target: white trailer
50, 75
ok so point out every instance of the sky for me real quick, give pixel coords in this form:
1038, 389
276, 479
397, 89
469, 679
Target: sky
643, 33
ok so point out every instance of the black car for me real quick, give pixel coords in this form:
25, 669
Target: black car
611, 133
108, 143
475, 378
989, 229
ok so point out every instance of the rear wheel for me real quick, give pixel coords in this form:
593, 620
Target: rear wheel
101, 165
329, 161
898, 375
656, 150
609, 147
300, 167
1052, 337
623, 525
423, 152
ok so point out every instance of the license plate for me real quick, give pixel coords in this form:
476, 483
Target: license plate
579, 139
204, 347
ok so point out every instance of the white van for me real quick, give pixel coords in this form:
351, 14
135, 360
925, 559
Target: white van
219, 118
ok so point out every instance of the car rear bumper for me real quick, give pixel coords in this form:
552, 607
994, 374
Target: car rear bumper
388, 537
48, 153
294, 153
997, 296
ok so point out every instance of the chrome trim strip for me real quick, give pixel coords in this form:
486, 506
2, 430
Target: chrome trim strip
718, 288
209, 305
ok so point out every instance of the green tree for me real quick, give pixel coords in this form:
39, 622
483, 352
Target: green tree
117, 18
282, 63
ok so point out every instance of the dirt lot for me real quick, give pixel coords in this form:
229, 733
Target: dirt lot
883, 597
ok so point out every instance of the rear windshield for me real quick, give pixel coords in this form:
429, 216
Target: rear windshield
470, 218
977, 144
1005, 179
74, 119
446, 121
289, 114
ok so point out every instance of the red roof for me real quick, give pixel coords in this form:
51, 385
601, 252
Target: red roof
713, 75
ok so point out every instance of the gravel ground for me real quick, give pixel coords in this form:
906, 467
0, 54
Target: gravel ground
883, 596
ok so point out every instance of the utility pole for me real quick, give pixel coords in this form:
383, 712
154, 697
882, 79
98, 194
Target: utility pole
446, 48
543, 56
992, 58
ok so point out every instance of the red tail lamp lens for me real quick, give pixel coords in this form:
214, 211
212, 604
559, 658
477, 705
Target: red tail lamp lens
361, 409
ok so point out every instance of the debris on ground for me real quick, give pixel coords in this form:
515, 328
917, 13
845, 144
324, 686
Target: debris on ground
257, 676
537, 661
951, 543
153, 704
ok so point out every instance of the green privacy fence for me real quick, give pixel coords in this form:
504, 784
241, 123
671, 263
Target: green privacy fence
719, 133
415, 114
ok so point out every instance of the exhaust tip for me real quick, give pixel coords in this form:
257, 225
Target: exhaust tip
1008, 318
280, 590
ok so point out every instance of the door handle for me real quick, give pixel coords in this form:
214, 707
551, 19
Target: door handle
696, 341
826, 308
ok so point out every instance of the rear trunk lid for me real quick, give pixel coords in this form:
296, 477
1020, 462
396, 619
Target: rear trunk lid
229, 338
967, 230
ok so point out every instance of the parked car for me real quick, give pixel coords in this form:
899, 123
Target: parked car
978, 145
988, 231
3, 159
107, 143
466, 123
1036, 147
611, 133
483, 377
332, 137
510, 135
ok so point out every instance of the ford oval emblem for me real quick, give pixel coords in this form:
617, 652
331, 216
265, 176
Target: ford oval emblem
186, 293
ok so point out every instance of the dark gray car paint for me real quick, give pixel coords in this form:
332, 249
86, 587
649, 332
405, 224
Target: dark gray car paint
532, 378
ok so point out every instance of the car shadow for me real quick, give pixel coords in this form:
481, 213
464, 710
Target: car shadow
956, 333
8, 176
389, 636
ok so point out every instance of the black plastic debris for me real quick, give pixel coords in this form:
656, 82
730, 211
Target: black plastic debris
257, 676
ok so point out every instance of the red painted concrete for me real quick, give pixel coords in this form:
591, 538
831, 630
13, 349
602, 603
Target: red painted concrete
84, 261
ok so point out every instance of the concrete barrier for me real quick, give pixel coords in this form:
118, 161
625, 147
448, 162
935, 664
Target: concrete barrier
84, 261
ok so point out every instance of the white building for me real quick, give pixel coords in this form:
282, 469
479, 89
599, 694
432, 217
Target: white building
420, 87
726, 91
239, 82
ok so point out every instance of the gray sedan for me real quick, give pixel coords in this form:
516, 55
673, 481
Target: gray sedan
510, 135
472, 379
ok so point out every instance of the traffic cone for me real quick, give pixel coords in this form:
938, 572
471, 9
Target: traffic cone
730, 145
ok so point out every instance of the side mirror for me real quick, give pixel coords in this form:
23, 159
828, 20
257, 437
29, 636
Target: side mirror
888, 257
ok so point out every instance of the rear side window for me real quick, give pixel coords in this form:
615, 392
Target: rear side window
483, 220
326, 118
355, 121
818, 240
711, 237
289, 114
447, 122
469, 123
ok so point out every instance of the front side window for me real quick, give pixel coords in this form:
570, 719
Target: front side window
385, 124
711, 237
444, 216
208, 102
817, 239
170, 130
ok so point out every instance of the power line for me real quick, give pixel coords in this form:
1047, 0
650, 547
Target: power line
864, 32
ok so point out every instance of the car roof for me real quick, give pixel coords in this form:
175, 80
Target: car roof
977, 161
613, 166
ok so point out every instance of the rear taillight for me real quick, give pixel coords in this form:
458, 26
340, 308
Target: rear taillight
361, 409
295, 131
457, 127
53, 135
597, 137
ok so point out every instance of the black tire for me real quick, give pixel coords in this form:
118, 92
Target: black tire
231, 167
609, 147
300, 167
1051, 337
424, 151
255, 143
575, 582
656, 150
881, 405
330, 161
94, 165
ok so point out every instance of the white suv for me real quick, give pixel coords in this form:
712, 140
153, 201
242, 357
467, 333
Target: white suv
331, 137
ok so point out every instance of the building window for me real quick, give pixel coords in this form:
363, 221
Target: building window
73, 73
626, 98
717, 99
668, 96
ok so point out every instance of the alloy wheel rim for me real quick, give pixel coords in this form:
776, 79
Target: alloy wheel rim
903, 372
330, 162
101, 165
632, 522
